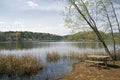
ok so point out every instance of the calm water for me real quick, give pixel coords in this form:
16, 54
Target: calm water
40, 49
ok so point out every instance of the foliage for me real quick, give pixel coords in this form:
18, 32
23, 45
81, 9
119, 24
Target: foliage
90, 36
90, 16
79, 36
20, 36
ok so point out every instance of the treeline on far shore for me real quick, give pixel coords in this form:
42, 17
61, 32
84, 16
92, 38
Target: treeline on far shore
25, 36
91, 36
31, 36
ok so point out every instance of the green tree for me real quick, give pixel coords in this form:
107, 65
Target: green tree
88, 14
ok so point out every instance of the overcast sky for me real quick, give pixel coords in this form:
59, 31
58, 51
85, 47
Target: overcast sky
32, 15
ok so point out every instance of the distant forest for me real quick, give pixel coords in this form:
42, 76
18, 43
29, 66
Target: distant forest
25, 36
30, 36
90, 36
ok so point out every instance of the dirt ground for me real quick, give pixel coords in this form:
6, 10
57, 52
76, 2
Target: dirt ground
88, 71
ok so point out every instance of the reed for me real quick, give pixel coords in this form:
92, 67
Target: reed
19, 65
53, 56
64, 56
74, 55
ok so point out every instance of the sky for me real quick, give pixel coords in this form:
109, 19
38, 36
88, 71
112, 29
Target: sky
33, 15
44, 16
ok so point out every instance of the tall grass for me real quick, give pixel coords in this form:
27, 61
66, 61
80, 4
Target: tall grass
72, 55
19, 65
53, 56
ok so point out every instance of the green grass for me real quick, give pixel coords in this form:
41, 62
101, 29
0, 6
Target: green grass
19, 65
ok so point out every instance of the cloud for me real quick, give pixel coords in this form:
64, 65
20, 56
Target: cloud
54, 6
51, 8
32, 4
59, 29
45, 6
16, 23
2, 22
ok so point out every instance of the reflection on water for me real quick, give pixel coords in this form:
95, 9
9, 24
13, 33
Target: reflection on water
35, 44
53, 68
23, 45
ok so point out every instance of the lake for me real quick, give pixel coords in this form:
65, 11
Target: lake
51, 69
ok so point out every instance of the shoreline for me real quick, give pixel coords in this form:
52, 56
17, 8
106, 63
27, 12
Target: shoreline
82, 72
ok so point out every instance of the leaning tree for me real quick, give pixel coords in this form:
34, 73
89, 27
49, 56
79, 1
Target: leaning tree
94, 15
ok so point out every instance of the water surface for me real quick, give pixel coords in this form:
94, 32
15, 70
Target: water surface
40, 49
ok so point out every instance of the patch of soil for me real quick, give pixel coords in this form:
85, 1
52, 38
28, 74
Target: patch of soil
88, 71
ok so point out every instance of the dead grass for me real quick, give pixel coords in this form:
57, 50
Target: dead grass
52, 57
74, 55
19, 65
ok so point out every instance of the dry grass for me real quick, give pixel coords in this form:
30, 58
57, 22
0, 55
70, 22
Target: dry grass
19, 65
53, 56
73, 55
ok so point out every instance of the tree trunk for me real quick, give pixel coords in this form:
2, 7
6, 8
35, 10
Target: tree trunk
92, 24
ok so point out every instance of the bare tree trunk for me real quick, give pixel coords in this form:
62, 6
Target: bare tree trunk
115, 17
112, 33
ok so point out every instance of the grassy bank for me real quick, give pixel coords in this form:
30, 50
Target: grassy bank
12, 65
